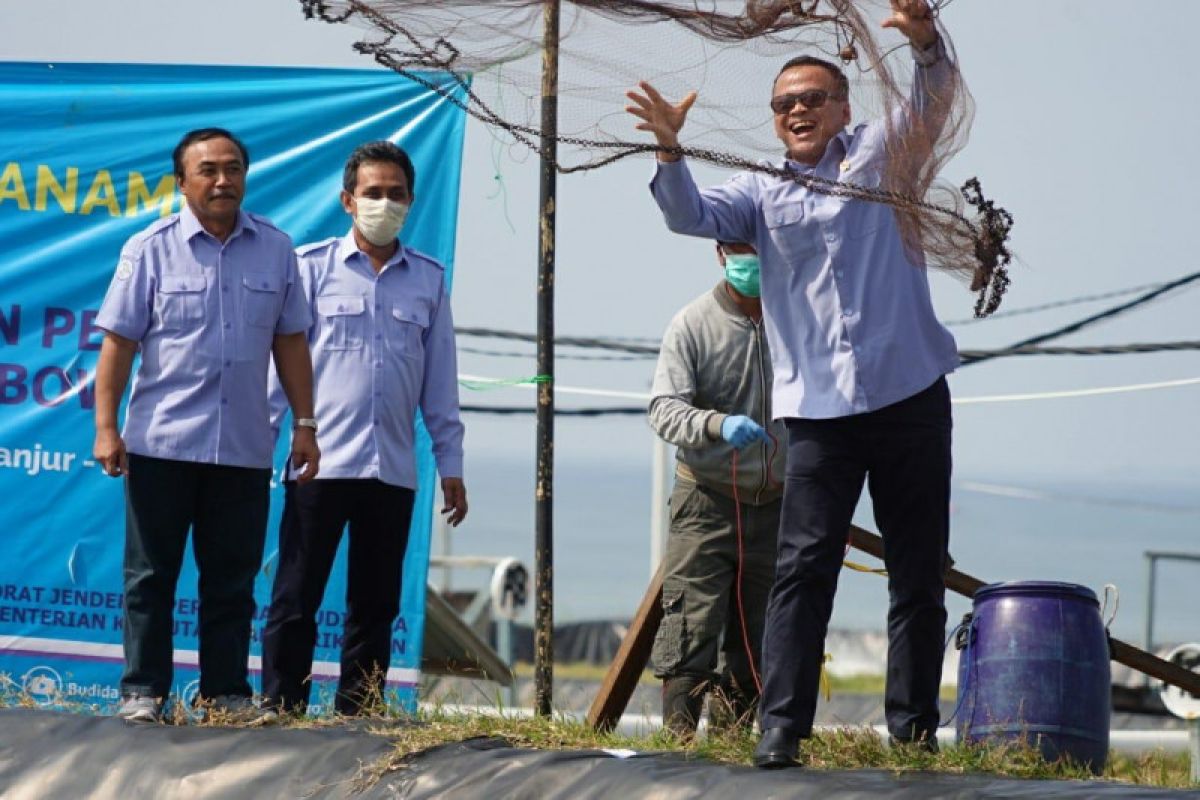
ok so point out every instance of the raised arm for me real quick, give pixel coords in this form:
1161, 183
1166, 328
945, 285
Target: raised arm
936, 81
661, 117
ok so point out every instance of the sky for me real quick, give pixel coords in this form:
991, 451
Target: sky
1085, 129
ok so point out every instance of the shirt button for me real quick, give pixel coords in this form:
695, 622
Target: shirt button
224, 401
377, 422
849, 312
229, 363
228, 325
378, 336
224, 288
378, 365
378, 307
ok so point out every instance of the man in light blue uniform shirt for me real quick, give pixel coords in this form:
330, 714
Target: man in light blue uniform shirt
859, 362
382, 347
206, 295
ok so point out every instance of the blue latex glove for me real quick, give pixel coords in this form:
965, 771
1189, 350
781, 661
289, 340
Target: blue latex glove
740, 431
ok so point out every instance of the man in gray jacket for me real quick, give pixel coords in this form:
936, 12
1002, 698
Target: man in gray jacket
712, 399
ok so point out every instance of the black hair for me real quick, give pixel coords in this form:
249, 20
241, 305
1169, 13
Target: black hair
203, 135
843, 83
378, 151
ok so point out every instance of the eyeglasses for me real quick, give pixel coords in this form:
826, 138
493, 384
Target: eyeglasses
811, 99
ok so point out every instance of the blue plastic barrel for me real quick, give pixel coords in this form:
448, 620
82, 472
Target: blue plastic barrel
1034, 665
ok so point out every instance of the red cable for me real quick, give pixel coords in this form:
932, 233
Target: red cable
737, 507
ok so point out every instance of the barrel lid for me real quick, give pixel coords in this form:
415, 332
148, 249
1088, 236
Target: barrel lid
1035, 589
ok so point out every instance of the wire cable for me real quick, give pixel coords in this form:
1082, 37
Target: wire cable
1070, 301
1088, 321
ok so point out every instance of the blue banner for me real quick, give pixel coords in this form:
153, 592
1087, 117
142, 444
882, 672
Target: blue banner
85, 162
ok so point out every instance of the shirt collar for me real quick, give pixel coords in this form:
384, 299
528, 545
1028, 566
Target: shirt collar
842, 139
728, 304
191, 226
348, 248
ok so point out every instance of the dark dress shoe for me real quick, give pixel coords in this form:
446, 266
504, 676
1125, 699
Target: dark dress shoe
778, 748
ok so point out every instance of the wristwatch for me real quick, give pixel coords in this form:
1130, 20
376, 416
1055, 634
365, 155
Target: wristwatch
305, 422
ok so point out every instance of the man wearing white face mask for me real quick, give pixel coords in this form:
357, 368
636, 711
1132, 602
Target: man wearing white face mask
712, 398
382, 346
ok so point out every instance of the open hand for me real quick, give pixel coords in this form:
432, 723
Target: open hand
660, 116
914, 19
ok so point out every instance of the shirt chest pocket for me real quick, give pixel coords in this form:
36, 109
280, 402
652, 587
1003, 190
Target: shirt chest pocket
180, 300
794, 235
406, 327
343, 321
262, 298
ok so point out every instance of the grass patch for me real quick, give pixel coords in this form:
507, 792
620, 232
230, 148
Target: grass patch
845, 749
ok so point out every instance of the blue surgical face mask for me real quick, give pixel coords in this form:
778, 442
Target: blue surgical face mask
741, 270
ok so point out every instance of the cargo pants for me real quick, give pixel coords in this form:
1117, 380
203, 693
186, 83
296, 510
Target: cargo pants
702, 620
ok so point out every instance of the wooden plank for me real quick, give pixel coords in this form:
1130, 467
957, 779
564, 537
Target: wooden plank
1121, 652
631, 659
872, 544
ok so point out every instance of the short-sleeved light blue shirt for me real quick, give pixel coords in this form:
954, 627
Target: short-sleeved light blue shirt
848, 317
382, 347
205, 314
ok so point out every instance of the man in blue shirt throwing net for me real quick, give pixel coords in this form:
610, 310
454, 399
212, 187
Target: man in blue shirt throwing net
859, 360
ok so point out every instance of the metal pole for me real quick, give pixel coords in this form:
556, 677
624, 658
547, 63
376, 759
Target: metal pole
1148, 638
505, 651
1194, 749
443, 534
659, 518
543, 644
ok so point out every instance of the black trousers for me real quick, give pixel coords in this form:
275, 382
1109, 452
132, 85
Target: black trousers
226, 510
314, 516
902, 451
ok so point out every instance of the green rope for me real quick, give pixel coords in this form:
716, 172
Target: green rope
500, 383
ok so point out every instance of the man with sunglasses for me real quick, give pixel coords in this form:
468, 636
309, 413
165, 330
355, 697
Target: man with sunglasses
859, 362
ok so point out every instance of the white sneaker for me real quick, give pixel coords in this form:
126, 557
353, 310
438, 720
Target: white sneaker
140, 708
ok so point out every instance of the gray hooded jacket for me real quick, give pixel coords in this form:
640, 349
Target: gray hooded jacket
714, 363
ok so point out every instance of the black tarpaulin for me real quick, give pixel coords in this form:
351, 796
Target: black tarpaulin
481, 770
53, 755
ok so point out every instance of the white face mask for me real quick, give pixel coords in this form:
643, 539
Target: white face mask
379, 220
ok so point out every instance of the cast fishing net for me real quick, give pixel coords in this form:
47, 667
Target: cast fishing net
729, 52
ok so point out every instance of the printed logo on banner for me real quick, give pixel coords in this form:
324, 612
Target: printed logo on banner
187, 700
43, 684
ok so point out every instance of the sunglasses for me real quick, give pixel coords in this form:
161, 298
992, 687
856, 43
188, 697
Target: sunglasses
811, 99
